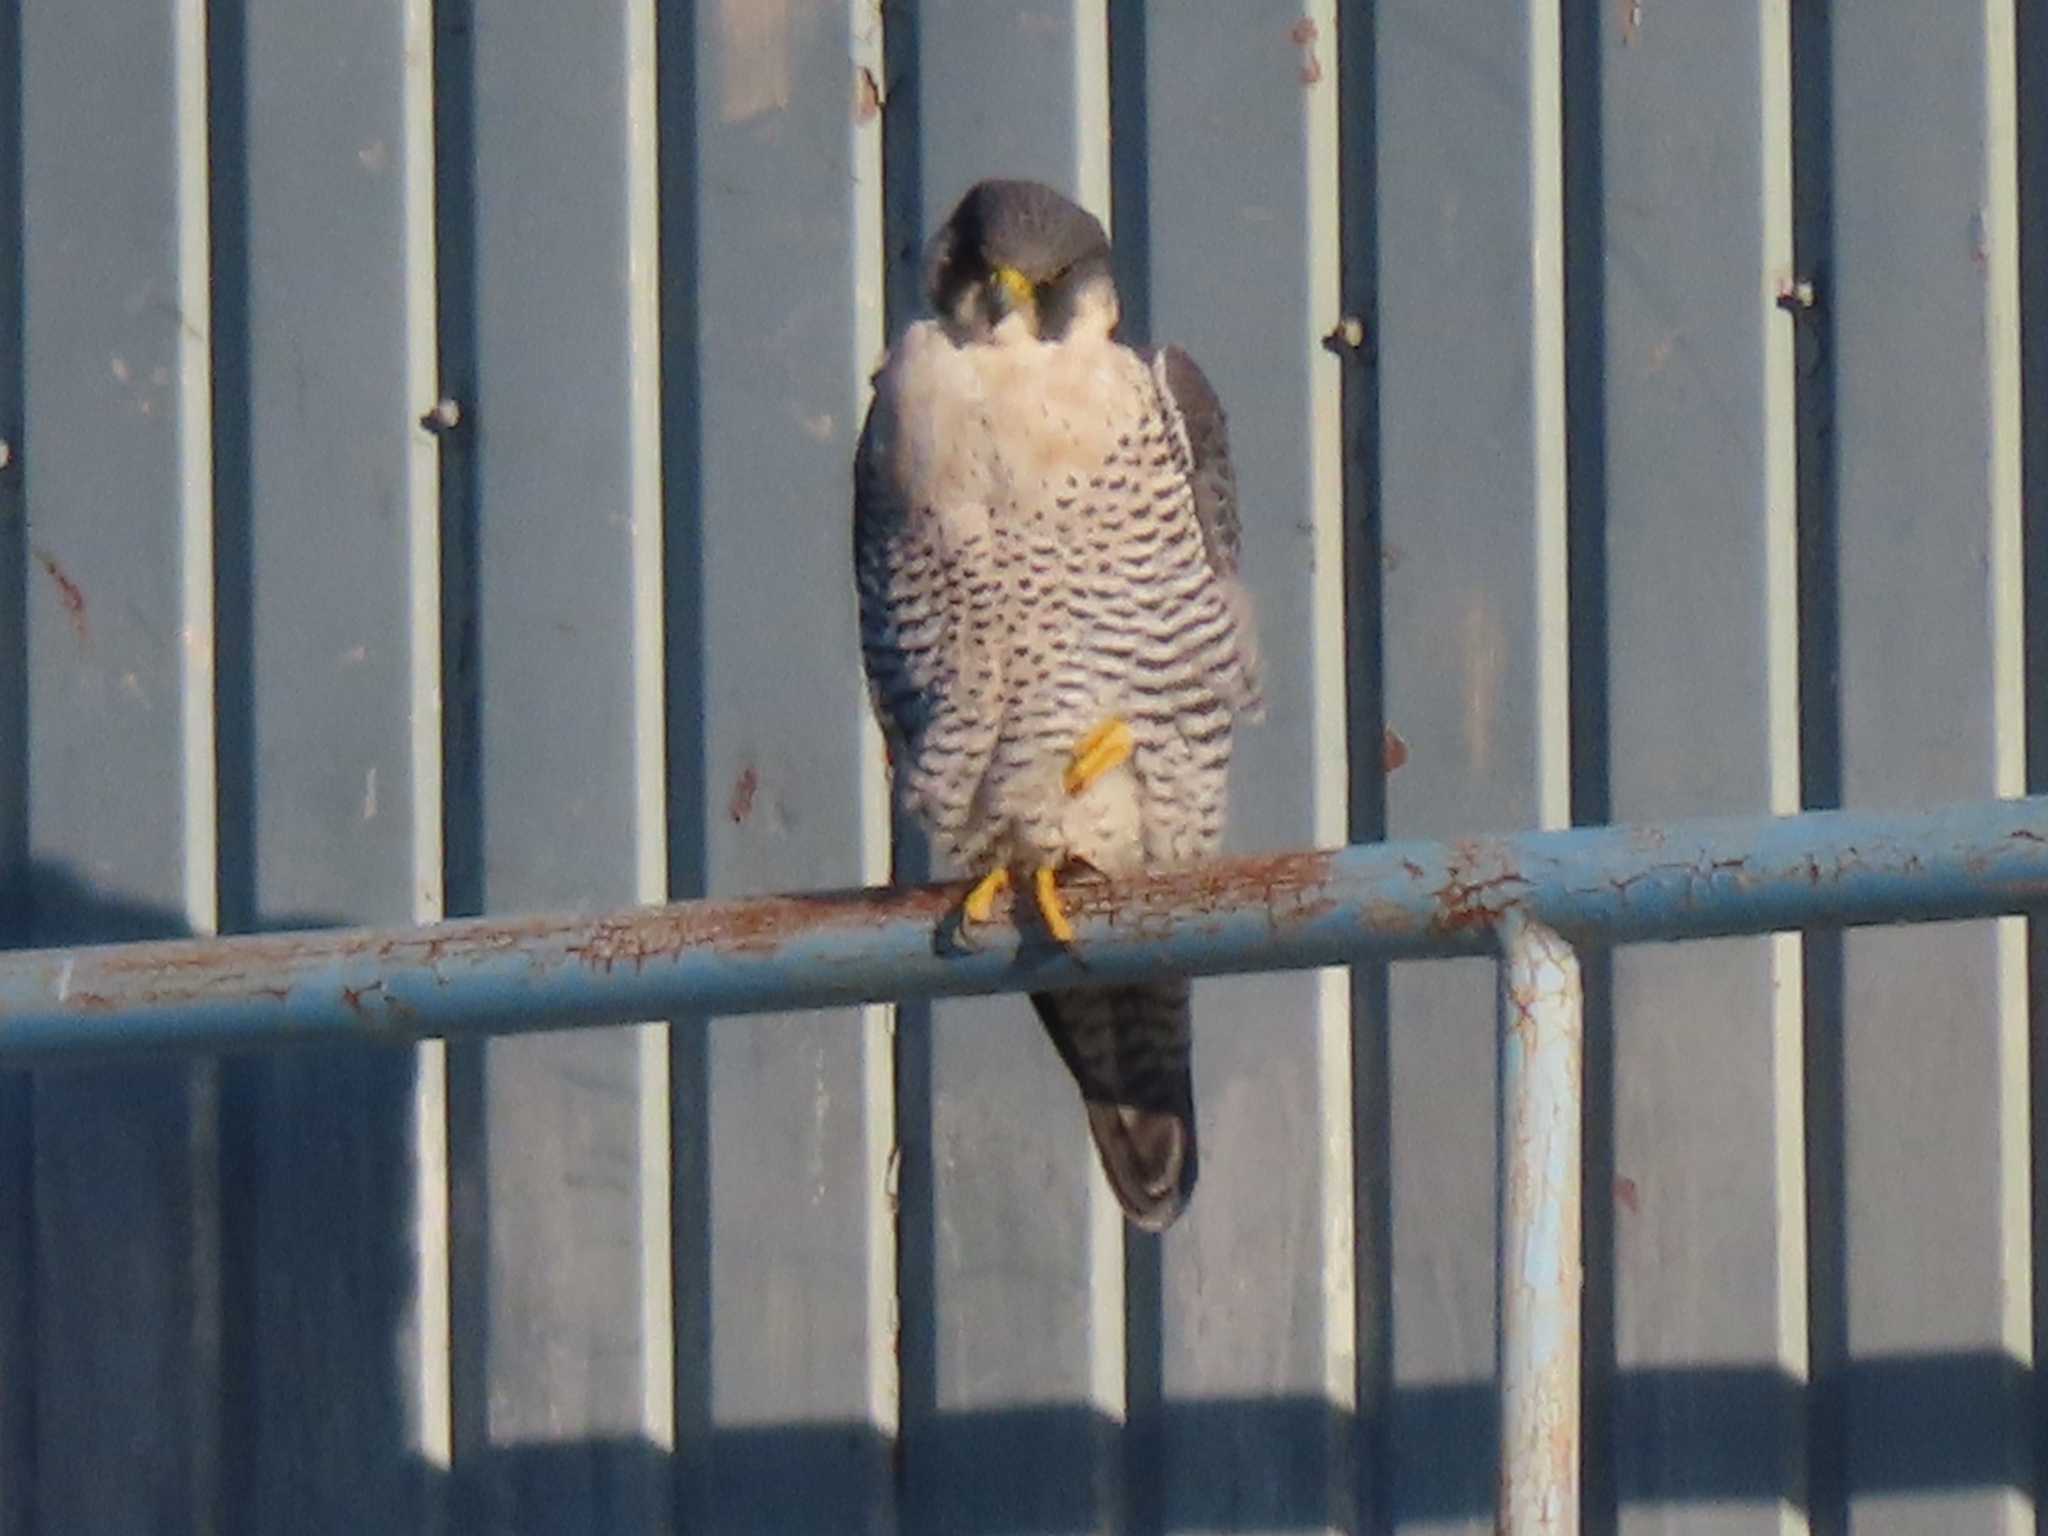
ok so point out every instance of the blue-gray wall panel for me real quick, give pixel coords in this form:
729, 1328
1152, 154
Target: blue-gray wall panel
17, 1146
547, 1153
316, 431
791, 1208
1458, 508
1011, 1248
1683, 475
124, 1213
170, 1287
1234, 167
1927, 1134
13, 508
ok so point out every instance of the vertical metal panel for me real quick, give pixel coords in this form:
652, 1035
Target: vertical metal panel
791, 1206
119, 824
1237, 137
1461, 495
17, 1146
1030, 1323
1012, 1256
2031, 52
1683, 474
322, 517
1925, 451
562, 1285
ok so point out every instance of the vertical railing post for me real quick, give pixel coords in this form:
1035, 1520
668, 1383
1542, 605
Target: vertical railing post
1542, 1098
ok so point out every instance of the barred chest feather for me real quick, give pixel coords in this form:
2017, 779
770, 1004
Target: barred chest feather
1046, 489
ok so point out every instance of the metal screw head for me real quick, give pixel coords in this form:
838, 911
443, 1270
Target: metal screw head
1796, 295
1347, 336
443, 416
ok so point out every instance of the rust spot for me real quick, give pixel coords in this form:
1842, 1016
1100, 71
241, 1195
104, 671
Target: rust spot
1393, 751
1631, 21
867, 95
239, 969
1796, 294
1292, 889
741, 805
1303, 35
1289, 889
357, 1000
1628, 1196
68, 593
1480, 890
640, 938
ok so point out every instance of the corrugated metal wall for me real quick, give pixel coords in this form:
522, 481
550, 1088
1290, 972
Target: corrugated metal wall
1597, 511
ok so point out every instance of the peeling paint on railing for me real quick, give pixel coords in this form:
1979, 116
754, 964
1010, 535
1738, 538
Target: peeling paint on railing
1382, 901
1540, 1267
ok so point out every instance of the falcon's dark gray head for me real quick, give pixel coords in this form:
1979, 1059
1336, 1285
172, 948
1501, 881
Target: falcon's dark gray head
1019, 248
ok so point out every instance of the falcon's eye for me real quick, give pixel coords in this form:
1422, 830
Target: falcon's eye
1060, 296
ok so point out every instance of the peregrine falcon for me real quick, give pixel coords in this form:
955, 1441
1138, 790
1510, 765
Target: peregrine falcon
1057, 642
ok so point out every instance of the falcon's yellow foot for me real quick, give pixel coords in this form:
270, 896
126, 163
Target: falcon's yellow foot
1102, 749
980, 904
1049, 907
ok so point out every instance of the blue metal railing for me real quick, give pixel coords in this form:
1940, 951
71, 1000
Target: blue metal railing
1530, 898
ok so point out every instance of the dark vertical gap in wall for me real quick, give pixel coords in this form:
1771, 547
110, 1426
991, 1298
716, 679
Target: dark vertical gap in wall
456, 306
17, 1094
903, 211
239, 1105
1130, 182
681, 187
1140, 1468
2033, 253
234, 527
903, 233
1820, 754
1374, 750
1591, 728
455, 265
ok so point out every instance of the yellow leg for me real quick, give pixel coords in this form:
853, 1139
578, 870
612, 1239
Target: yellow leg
1102, 749
980, 904
1049, 906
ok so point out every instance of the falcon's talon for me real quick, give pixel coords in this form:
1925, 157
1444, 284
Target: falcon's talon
1047, 891
980, 905
1106, 747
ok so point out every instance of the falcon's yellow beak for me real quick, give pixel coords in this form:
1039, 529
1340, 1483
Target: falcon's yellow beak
1012, 292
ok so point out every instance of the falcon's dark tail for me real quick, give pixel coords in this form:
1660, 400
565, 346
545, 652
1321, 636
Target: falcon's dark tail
1128, 1050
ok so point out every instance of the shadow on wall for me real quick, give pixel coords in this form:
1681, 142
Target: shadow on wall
1023, 1470
139, 1203
197, 1254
